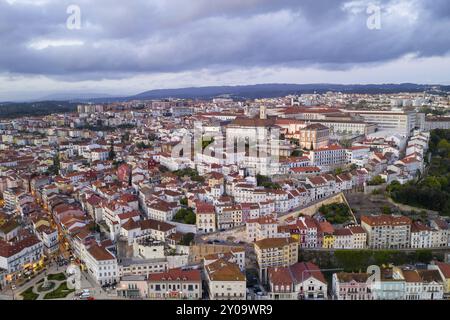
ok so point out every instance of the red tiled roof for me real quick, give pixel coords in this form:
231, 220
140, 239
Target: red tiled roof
100, 253
385, 220
176, 275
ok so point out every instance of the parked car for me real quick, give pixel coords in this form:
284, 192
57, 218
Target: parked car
85, 295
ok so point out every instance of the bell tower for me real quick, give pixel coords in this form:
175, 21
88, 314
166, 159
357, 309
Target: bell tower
262, 112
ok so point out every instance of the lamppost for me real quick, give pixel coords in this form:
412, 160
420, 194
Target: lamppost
13, 294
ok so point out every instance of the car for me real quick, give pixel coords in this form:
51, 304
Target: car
85, 295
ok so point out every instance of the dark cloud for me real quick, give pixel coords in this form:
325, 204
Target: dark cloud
121, 38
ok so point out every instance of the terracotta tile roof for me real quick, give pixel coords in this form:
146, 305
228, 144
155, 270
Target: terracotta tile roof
411, 276
222, 270
304, 270
99, 253
176, 275
273, 243
280, 276
430, 276
156, 225
386, 220
342, 232
357, 229
305, 169
345, 277
445, 269
326, 227
8, 250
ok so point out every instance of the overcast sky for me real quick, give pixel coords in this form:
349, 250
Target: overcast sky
125, 47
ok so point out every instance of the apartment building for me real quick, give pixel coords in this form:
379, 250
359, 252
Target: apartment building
161, 210
205, 218
229, 217
403, 121
298, 281
421, 236
351, 286
275, 252
328, 156
101, 264
225, 281
359, 237
387, 231
313, 136
175, 284
261, 228
235, 255
21, 254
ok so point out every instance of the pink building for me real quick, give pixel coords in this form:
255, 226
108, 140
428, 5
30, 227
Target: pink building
351, 286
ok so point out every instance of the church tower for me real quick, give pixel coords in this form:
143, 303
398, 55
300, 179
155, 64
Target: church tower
262, 112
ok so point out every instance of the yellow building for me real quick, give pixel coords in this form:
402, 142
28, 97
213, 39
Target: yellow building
215, 178
328, 241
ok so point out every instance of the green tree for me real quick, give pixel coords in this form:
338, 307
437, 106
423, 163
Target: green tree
186, 216
297, 153
376, 181
386, 210
187, 239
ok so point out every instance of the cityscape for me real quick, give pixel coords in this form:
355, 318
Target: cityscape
223, 190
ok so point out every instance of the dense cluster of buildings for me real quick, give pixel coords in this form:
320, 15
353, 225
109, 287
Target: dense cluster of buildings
133, 190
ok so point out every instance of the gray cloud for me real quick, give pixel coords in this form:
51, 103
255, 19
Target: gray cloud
123, 38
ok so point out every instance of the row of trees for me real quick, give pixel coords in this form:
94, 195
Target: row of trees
359, 260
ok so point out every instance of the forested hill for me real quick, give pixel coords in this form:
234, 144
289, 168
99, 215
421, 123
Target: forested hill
10, 110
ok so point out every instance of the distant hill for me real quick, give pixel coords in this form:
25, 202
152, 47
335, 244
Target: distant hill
76, 96
273, 90
248, 91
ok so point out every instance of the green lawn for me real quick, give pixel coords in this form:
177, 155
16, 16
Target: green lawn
61, 292
57, 277
29, 294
